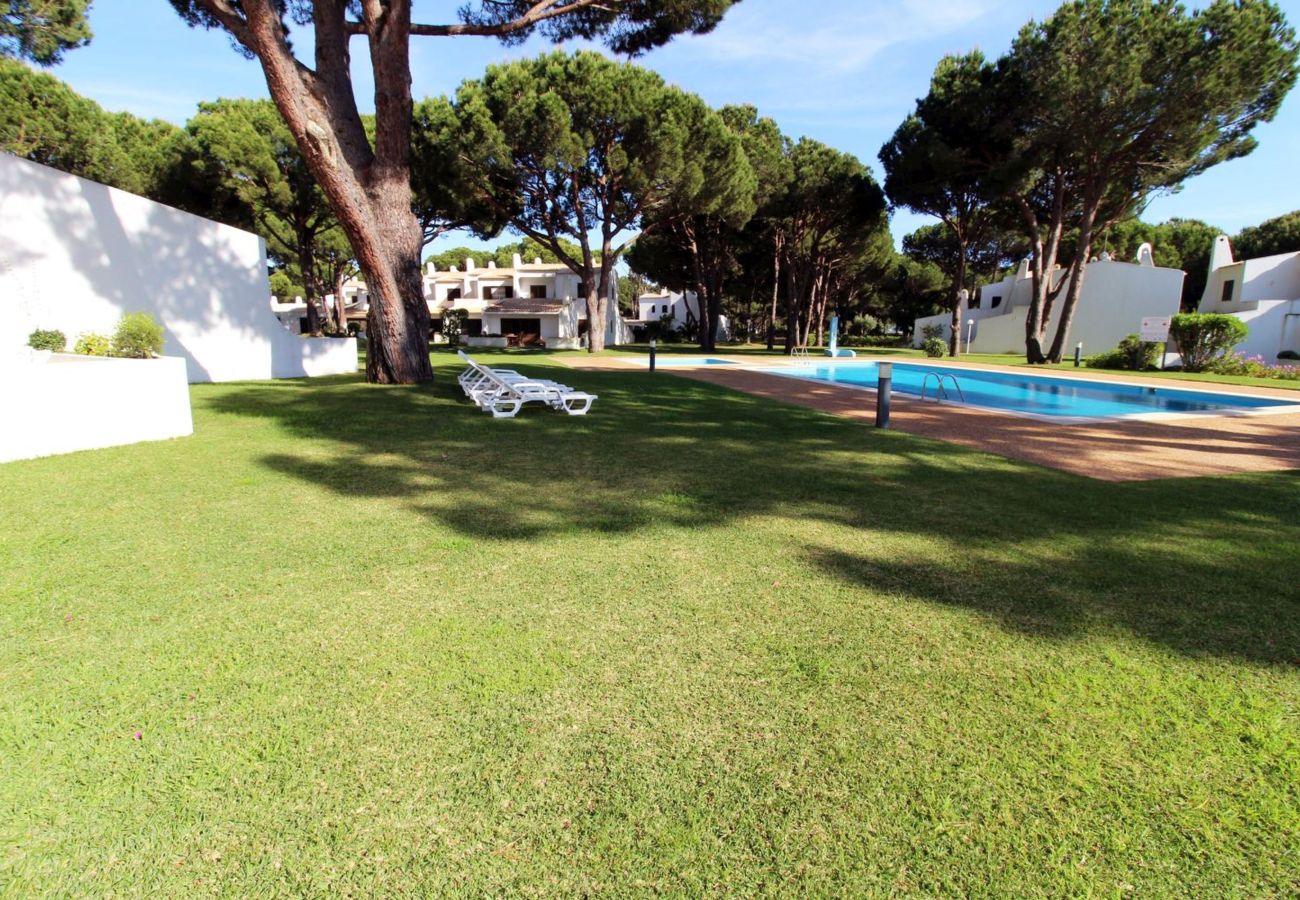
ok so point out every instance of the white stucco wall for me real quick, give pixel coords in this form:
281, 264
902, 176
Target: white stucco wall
1116, 297
75, 255
60, 403
654, 306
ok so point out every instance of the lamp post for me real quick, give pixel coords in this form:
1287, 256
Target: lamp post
884, 390
970, 329
652, 354
1078, 354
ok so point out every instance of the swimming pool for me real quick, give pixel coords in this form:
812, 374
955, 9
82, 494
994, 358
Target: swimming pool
1037, 395
670, 361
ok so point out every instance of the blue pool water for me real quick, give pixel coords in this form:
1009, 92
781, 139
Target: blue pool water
668, 361
1040, 395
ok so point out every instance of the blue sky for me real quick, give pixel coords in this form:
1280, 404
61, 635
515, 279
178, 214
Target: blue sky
842, 71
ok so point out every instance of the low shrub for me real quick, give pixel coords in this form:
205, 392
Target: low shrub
92, 344
1132, 353
1205, 338
932, 331
138, 336
51, 339
934, 347
874, 340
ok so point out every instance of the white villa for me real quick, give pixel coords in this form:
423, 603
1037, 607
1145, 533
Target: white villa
1116, 297
1264, 293
528, 304
684, 308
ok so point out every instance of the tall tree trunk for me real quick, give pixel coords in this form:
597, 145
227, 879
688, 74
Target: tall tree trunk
701, 289
369, 189
792, 289
1078, 269
776, 290
598, 304
310, 283
1042, 267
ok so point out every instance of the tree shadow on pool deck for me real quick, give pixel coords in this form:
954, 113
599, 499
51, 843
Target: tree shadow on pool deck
1039, 551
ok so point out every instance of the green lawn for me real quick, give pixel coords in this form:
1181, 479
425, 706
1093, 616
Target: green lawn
376, 643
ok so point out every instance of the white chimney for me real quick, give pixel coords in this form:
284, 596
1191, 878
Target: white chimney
469, 264
517, 261
537, 260
492, 263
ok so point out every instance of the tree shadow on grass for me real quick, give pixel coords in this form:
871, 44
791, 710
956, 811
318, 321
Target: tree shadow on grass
1198, 565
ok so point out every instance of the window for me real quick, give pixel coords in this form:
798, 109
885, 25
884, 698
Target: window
537, 292
1227, 290
453, 293
994, 301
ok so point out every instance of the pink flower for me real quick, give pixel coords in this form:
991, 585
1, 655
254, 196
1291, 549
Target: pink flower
139, 736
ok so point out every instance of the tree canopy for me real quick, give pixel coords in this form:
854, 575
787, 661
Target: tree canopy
698, 249
584, 149
43, 30
44, 120
1268, 238
1094, 110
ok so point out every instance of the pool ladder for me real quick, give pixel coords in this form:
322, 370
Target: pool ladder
940, 379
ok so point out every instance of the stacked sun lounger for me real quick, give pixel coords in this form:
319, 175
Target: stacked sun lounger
503, 392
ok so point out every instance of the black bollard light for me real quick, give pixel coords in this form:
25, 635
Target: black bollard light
884, 389
652, 354
1078, 354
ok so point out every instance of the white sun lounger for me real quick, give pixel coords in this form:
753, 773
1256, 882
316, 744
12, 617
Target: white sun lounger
475, 376
504, 392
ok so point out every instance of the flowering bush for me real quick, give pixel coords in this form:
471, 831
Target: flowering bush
92, 344
1254, 367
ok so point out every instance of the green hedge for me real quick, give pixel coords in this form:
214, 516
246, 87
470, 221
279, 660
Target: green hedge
1205, 338
1132, 353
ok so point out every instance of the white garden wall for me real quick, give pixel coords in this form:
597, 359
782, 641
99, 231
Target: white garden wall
57, 403
75, 255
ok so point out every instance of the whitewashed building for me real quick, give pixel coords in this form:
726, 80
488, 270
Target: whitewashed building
1264, 293
528, 304
683, 307
1116, 297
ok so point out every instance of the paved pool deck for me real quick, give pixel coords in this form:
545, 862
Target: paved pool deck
1127, 450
